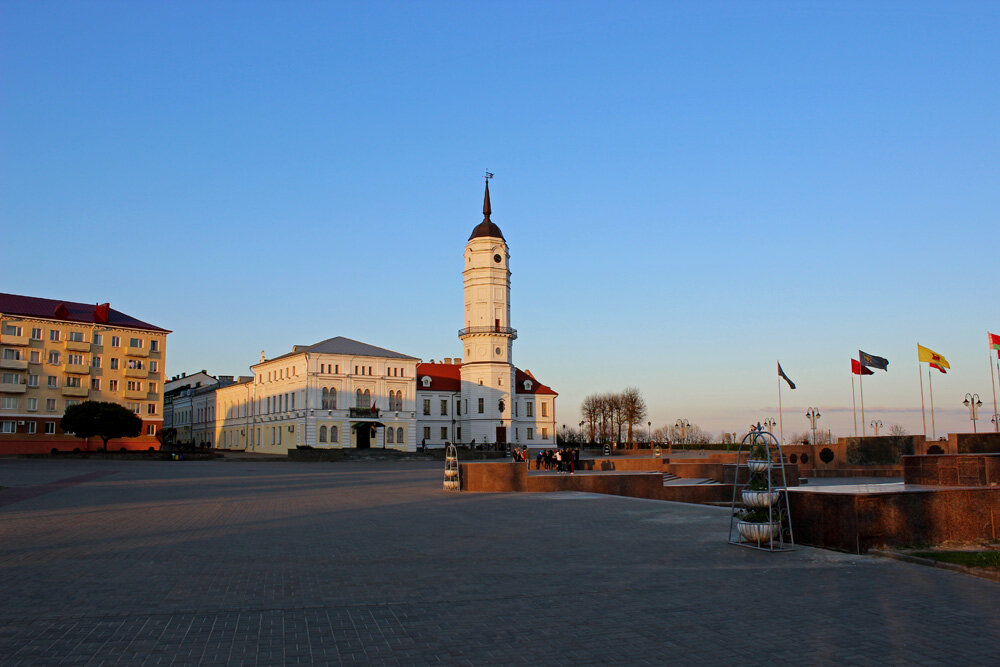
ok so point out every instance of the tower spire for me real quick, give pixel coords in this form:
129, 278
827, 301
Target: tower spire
486, 199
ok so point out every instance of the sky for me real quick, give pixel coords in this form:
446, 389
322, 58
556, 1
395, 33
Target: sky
690, 191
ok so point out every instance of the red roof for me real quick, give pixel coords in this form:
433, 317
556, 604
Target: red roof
70, 311
448, 377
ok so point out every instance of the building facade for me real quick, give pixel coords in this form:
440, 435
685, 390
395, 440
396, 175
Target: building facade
54, 354
344, 393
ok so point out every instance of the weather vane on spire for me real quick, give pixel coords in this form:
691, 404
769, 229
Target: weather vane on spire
489, 175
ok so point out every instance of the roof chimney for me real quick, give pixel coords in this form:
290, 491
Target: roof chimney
447, 360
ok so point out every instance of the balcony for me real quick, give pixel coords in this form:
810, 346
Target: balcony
77, 346
14, 364
136, 373
473, 331
12, 388
364, 413
136, 351
135, 395
10, 339
76, 392
77, 369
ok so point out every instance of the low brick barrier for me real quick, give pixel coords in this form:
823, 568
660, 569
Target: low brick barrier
952, 470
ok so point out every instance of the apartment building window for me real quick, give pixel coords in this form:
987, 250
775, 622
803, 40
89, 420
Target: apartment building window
151, 408
35, 357
98, 339
427, 433
9, 353
11, 330
32, 380
114, 363
135, 342
531, 434
444, 407
444, 432
8, 402
529, 409
33, 405
134, 407
70, 403
95, 383
31, 428
50, 428
53, 358
36, 333
545, 434
112, 385
136, 386
72, 382
458, 433
545, 409
150, 429
10, 378
95, 362
54, 335
427, 406
76, 336
154, 345
482, 406
8, 427
152, 387
153, 366
115, 341
52, 382
50, 405
76, 359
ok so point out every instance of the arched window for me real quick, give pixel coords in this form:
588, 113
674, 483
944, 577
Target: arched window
357, 399
325, 403
334, 435
322, 433
388, 436
333, 398
367, 399
399, 435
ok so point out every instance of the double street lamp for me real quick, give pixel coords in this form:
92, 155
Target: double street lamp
683, 425
973, 403
813, 414
876, 424
769, 424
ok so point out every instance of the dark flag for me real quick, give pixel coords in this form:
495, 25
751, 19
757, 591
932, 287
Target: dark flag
781, 374
871, 361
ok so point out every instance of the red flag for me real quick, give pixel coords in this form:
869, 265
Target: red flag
858, 369
993, 340
933, 365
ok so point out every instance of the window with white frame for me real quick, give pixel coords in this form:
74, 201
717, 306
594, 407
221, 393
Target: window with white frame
32, 404
32, 380
95, 384
52, 382
150, 429
11, 353
36, 333
50, 405
75, 359
10, 378
54, 335
135, 342
116, 341
151, 408
95, 361
75, 336
154, 345
31, 427
8, 427
11, 330
114, 363
8, 402
444, 406
50, 428
72, 381
53, 358
35, 357
98, 339
482, 406
112, 385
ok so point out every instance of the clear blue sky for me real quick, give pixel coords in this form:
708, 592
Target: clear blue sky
690, 191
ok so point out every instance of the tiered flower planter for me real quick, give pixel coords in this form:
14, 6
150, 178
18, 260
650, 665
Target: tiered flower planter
760, 518
451, 470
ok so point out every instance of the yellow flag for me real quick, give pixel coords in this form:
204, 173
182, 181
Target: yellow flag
929, 355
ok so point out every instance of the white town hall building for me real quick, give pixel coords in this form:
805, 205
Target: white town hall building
346, 393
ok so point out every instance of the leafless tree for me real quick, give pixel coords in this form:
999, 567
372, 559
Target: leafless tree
898, 429
633, 408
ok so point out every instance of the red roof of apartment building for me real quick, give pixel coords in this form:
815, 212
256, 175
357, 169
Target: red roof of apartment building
70, 311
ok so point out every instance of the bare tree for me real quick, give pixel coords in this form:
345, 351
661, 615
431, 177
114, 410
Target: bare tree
591, 411
634, 410
897, 430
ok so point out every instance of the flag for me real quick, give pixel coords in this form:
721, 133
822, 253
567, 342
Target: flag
781, 374
933, 365
871, 361
932, 357
993, 340
858, 369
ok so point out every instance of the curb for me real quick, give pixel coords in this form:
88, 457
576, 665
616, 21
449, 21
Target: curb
980, 572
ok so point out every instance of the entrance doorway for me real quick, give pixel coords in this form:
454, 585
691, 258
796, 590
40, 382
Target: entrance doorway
363, 434
501, 435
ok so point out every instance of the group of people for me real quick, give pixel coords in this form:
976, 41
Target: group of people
565, 459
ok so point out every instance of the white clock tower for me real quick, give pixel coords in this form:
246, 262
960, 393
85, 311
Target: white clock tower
488, 368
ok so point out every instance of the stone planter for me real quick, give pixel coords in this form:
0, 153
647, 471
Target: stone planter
758, 465
757, 532
759, 498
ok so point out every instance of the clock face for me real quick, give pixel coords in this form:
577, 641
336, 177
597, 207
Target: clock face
497, 258
498, 351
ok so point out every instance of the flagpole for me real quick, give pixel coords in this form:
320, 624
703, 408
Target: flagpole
861, 387
993, 386
920, 374
854, 406
930, 384
781, 424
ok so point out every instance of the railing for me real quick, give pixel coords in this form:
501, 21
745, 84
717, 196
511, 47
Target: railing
488, 330
364, 413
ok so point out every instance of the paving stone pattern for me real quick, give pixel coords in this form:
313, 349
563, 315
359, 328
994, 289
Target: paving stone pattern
251, 562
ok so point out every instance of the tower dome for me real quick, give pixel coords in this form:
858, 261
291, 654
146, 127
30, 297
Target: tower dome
487, 227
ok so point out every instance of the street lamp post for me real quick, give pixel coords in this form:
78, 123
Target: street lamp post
683, 425
973, 403
565, 435
769, 424
583, 438
813, 414
876, 424
649, 434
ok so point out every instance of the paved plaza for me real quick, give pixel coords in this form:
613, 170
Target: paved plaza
274, 562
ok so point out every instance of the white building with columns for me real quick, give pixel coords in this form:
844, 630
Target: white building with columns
345, 393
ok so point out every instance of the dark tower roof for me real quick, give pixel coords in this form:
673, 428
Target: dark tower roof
487, 227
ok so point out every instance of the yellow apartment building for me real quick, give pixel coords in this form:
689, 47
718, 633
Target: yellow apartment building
54, 354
